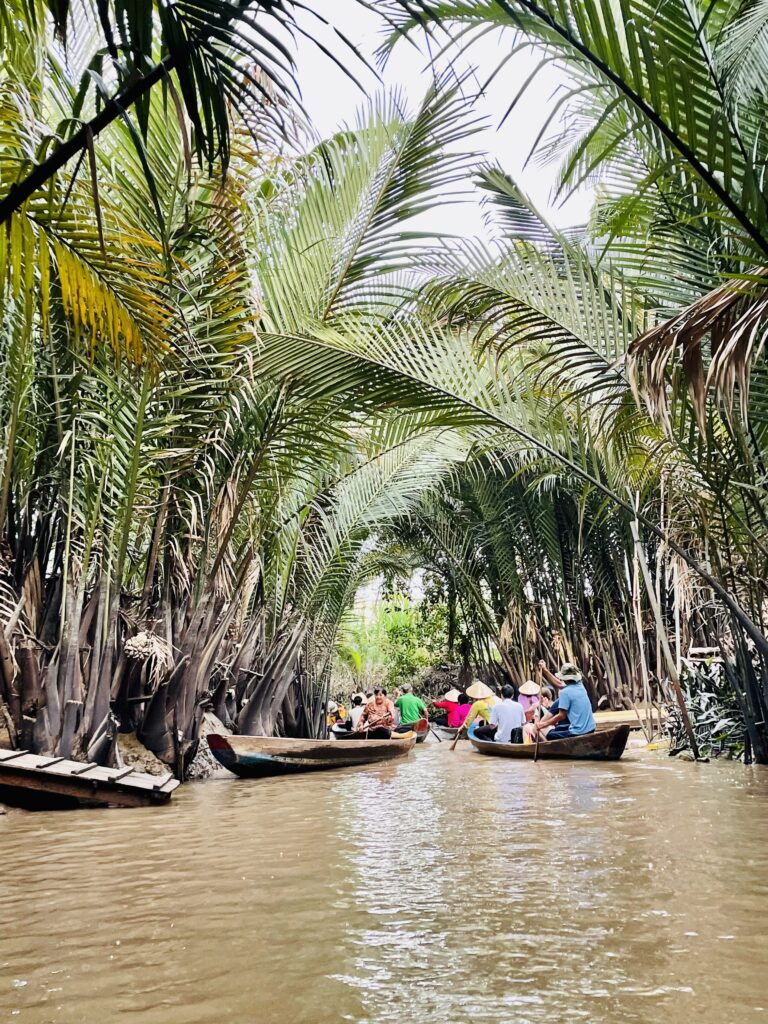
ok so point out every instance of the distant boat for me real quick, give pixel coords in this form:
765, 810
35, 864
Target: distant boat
42, 782
261, 756
602, 745
447, 732
420, 728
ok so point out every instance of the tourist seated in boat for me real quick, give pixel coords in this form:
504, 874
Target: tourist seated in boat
529, 697
483, 699
574, 709
336, 713
451, 705
411, 707
349, 722
356, 711
395, 697
543, 713
378, 717
506, 721
465, 706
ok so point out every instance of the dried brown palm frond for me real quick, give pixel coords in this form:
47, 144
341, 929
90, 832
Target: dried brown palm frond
731, 319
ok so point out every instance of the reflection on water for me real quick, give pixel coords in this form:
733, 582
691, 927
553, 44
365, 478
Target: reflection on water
446, 887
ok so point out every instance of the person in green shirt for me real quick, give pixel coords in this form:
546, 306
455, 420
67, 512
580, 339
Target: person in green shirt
411, 707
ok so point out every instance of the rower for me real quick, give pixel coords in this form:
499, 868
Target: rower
411, 707
574, 710
483, 699
378, 717
456, 706
335, 713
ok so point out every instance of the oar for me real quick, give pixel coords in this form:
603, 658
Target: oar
434, 732
458, 737
538, 734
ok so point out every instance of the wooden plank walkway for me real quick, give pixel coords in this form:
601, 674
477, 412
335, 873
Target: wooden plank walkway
40, 781
609, 718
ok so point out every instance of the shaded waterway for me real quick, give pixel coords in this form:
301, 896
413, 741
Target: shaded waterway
446, 887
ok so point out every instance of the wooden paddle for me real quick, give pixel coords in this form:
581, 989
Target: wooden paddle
458, 737
435, 733
538, 734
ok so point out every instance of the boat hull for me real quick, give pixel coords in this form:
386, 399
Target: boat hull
40, 782
446, 732
254, 757
602, 745
420, 728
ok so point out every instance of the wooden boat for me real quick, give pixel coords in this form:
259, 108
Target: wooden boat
420, 728
602, 745
446, 732
260, 756
54, 783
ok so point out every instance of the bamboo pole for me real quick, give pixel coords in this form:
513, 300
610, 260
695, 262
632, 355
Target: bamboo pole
648, 733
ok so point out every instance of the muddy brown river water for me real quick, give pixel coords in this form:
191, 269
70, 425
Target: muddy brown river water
444, 888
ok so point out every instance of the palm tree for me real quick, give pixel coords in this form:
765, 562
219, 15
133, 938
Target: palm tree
180, 526
662, 117
224, 396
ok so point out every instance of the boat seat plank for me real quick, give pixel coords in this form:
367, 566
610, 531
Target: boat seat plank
89, 772
9, 755
53, 779
28, 761
73, 768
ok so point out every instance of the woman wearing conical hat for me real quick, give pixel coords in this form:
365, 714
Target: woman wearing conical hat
528, 696
451, 705
483, 699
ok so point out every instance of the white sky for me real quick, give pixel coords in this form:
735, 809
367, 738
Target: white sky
331, 100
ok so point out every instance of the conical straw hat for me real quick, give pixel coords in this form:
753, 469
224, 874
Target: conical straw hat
452, 695
479, 690
529, 688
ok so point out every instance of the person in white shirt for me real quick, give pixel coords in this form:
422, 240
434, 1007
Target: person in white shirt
506, 721
357, 709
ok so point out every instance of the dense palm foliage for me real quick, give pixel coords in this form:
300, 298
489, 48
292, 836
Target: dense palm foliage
230, 398
180, 527
665, 116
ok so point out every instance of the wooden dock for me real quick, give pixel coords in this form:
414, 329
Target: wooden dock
40, 782
608, 719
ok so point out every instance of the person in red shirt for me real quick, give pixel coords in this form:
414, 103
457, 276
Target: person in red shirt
456, 705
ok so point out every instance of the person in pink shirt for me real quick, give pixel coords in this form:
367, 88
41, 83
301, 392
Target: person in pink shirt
456, 705
465, 706
528, 697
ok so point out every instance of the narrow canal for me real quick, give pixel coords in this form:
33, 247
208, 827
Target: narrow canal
444, 888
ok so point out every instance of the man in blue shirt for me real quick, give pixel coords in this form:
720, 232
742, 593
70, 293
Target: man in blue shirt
574, 711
